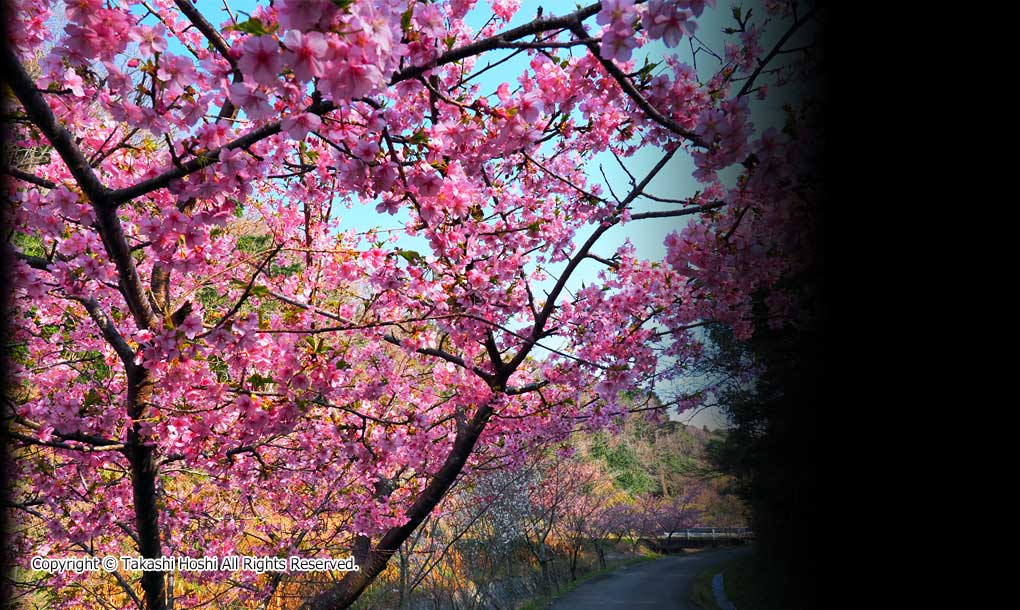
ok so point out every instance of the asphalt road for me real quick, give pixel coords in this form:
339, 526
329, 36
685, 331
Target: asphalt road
663, 584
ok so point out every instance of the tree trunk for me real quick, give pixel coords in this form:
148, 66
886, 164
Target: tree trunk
601, 552
350, 587
403, 580
142, 459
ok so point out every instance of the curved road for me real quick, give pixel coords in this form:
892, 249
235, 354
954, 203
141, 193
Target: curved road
663, 584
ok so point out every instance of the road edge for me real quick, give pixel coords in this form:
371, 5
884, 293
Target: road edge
720, 592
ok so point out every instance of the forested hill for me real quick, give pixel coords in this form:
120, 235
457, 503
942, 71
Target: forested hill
665, 460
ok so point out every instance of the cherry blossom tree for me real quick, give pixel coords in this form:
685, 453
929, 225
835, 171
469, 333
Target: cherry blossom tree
590, 492
677, 512
186, 387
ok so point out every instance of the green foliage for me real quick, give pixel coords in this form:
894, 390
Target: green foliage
18, 352
253, 26
259, 244
94, 367
254, 290
219, 366
405, 20
291, 269
31, 245
411, 256
623, 463
210, 298
259, 382
252, 244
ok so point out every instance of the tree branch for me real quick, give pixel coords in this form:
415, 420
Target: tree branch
106, 215
501, 40
42, 116
539, 25
109, 330
27, 177
582, 253
676, 213
632, 91
353, 583
749, 83
228, 110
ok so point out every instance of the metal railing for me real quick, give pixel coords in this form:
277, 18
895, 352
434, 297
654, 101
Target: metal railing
710, 533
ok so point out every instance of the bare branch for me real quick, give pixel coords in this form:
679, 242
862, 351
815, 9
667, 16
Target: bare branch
749, 83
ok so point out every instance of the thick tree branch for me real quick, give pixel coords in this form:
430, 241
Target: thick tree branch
79, 437
95, 311
140, 454
35, 262
228, 110
109, 330
443, 355
58, 445
605, 261
550, 304
106, 215
501, 40
131, 286
31, 178
677, 213
350, 586
42, 117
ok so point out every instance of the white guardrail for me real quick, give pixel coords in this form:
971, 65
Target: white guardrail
711, 533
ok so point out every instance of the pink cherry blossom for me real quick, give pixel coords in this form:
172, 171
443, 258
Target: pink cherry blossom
305, 53
74, 82
350, 80
233, 162
617, 46
505, 9
150, 39
260, 59
366, 150
191, 326
304, 14
429, 19
618, 17
664, 19
298, 126
617, 13
254, 102
697, 6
